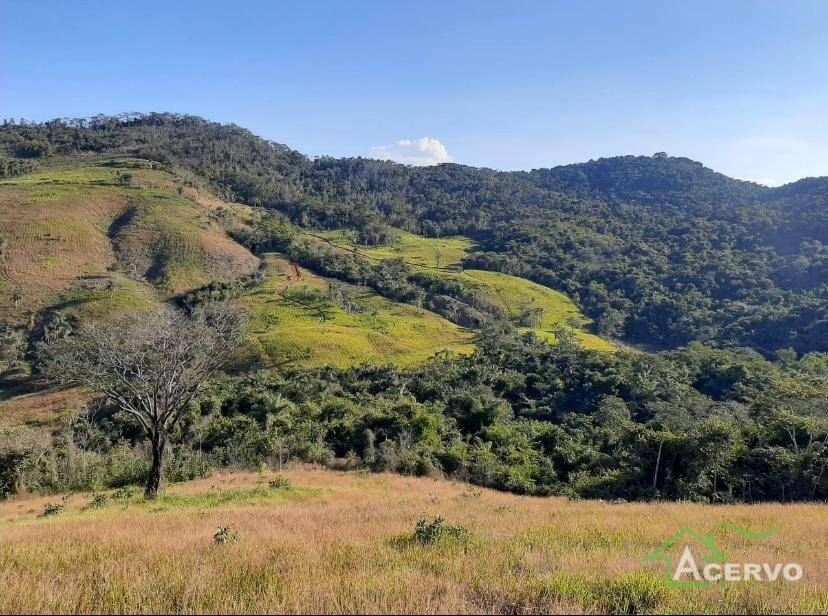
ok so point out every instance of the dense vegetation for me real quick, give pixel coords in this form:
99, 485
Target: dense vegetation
727, 278
659, 250
520, 415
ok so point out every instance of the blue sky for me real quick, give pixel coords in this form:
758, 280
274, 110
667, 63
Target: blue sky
740, 85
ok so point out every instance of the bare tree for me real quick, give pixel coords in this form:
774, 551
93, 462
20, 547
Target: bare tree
152, 365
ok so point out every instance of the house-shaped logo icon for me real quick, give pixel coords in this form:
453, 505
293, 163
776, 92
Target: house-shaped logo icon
682, 549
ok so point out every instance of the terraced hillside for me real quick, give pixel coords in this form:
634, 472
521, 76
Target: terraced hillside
530, 306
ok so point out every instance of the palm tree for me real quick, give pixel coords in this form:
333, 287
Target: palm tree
58, 327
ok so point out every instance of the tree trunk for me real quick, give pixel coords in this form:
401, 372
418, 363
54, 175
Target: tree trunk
159, 443
658, 463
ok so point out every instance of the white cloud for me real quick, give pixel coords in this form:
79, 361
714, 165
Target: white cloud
420, 152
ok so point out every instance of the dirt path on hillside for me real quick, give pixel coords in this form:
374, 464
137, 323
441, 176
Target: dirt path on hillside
294, 276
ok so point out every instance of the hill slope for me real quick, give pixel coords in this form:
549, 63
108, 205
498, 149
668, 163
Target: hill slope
83, 242
75, 239
296, 321
342, 542
528, 305
657, 250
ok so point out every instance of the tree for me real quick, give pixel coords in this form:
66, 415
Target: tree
152, 365
57, 327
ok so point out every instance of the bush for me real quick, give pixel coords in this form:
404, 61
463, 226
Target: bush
99, 501
12, 465
280, 483
428, 533
51, 509
224, 534
125, 493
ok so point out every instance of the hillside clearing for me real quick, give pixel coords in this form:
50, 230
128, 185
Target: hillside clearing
519, 298
341, 542
303, 326
76, 239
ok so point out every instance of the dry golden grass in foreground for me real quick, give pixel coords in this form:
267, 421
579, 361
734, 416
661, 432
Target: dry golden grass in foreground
342, 542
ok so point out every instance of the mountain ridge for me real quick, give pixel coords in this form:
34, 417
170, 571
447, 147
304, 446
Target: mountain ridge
102, 120
656, 250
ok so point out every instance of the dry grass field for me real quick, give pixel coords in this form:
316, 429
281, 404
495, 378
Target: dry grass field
342, 542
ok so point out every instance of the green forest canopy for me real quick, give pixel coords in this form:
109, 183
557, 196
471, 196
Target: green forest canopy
658, 250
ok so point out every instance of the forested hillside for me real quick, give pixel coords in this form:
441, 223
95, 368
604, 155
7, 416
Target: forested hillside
417, 320
658, 250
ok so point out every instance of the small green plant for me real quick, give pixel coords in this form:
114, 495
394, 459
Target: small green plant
124, 494
50, 509
225, 534
280, 483
99, 501
428, 533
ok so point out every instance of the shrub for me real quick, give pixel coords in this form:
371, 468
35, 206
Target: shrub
280, 483
224, 534
99, 501
428, 533
12, 465
124, 494
50, 509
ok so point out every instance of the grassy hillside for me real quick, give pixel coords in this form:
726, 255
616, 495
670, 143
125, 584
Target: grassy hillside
295, 321
445, 253
659, 250
517, 296
343, 542
76, 239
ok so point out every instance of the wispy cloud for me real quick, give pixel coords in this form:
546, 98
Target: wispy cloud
421, 152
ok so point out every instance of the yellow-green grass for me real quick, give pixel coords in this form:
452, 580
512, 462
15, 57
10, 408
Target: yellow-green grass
73, 233
517, 295
299, 329
511, 293
342, 543
444, 253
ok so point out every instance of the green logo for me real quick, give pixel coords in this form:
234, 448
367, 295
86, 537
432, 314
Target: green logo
687, 573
